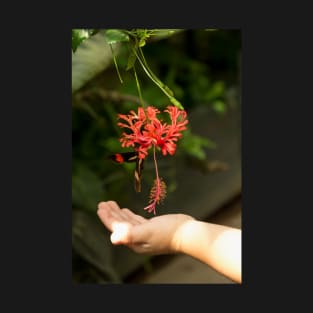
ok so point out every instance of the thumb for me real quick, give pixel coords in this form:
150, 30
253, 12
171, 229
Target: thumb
120, 234
124, 233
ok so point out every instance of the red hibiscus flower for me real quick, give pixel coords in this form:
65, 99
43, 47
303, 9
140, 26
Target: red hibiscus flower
145, 130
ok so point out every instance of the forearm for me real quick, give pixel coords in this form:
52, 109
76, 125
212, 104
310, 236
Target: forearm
216, 245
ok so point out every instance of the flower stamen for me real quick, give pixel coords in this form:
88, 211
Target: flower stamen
158, 190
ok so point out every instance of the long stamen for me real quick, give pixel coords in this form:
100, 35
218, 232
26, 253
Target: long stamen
155, 164
158, 191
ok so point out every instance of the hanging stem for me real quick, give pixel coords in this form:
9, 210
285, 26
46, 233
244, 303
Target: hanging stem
160, 83
157, 81
116, 66
138, 87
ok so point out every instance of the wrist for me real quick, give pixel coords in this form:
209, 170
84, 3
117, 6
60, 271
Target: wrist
183, 235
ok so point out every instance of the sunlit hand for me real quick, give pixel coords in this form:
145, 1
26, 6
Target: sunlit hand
149, 236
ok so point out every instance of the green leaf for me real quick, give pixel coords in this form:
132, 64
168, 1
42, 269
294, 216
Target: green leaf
165, 33
194, 145
219, 107
90, 61
115, 35
217, 90
176, 103
78, 36
131, 61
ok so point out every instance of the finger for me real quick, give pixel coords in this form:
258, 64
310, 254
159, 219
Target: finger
136, 218
113, 206
126, 217
105, 215
121, 214
130, 232
108, 205
108, 215
115, 211
121, 233
141, 219
130, 216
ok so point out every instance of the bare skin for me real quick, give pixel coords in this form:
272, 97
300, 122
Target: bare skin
216, 245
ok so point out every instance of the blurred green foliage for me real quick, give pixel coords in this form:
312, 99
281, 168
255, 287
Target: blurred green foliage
195, 67
183, 60
79, 35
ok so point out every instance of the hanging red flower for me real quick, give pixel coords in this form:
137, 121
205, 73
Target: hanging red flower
144, 131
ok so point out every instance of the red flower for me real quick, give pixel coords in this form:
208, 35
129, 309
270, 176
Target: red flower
146, 130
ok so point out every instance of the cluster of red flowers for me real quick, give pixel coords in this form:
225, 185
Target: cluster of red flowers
145, 131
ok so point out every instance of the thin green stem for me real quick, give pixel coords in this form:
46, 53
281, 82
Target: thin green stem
116, 66
157, 81
161, 85
142, 64
138, 87
149, 74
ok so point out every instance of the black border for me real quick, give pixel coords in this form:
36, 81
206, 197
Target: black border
37, 153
